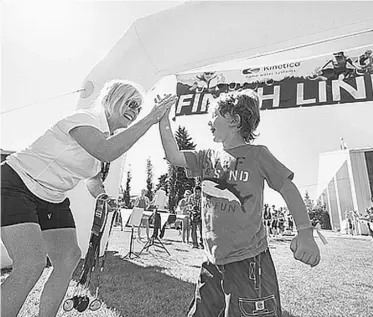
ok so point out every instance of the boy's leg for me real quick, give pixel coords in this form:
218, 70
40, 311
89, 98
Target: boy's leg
251, 287
209, 297
194, 234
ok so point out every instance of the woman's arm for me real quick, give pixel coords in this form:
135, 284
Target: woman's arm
109, 149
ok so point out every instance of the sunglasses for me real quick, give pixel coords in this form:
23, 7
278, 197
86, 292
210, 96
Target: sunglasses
81, 303
133, 104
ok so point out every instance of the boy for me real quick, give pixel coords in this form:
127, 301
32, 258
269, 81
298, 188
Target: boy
182, 209
239, 277
195, 216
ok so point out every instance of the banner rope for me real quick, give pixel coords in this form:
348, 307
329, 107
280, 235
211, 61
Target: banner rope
37, 102
330, 39
309, 44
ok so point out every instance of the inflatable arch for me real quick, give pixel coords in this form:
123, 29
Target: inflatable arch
197, 34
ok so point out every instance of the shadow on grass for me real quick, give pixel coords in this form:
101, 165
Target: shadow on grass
134, 290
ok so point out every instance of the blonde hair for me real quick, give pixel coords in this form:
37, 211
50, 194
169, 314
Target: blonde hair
119, 93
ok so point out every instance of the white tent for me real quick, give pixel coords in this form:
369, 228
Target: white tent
198, 34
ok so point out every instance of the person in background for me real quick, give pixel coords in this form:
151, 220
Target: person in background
195, 201
182, 209
274, 225
368, 219
36, 219
142, 202
239, 270
267, 216
348, 223
281, 221
290, 222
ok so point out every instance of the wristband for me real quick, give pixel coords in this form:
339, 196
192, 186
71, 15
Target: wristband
301, 228
321, 236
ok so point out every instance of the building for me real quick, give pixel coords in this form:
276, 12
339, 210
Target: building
345, 183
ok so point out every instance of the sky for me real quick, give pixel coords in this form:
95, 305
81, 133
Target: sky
49, 48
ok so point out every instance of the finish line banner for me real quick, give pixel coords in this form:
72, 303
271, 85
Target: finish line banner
341, 77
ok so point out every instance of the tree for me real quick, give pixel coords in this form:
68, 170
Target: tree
127, 191
320, 204
308, 202
149, 179
178, 182
162, 183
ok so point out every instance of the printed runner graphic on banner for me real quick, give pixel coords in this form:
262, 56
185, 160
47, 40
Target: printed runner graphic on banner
342, 77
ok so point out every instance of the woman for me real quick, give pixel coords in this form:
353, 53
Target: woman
35, 216
144, 203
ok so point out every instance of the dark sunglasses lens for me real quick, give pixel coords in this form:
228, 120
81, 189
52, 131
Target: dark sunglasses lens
83, 304
133, 104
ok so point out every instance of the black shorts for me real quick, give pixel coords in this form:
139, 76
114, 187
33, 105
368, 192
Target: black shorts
244, 288
19, 205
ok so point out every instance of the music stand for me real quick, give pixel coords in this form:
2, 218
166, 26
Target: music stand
134, 221
154, 240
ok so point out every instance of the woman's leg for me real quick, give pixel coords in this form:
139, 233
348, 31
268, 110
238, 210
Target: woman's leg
64, 253
26, 247
184, 228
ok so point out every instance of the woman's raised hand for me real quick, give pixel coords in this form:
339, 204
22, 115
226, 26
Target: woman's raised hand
162, 106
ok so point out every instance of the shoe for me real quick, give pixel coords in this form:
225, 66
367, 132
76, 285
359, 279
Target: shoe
201, 246
195, 246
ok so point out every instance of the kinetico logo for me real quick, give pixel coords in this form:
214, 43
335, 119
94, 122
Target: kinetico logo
282, 66
250, 70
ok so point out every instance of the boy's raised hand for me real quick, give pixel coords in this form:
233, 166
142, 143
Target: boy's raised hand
305, 249
159, 99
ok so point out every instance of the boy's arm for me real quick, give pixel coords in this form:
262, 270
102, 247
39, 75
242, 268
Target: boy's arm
296, 205
173, 154
303, 245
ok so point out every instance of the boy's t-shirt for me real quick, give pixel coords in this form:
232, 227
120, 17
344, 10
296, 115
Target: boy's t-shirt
232, 198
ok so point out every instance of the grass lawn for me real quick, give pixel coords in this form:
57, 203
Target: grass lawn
162, 286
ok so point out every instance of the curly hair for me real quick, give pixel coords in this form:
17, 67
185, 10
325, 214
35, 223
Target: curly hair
244, 103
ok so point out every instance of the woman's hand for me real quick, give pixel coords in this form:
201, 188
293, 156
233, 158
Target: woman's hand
162, 106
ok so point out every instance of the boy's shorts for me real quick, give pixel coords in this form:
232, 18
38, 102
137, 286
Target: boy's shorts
244, 288
20, 205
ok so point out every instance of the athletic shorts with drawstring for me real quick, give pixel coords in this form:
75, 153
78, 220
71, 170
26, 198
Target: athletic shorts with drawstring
238, 289
20, 205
